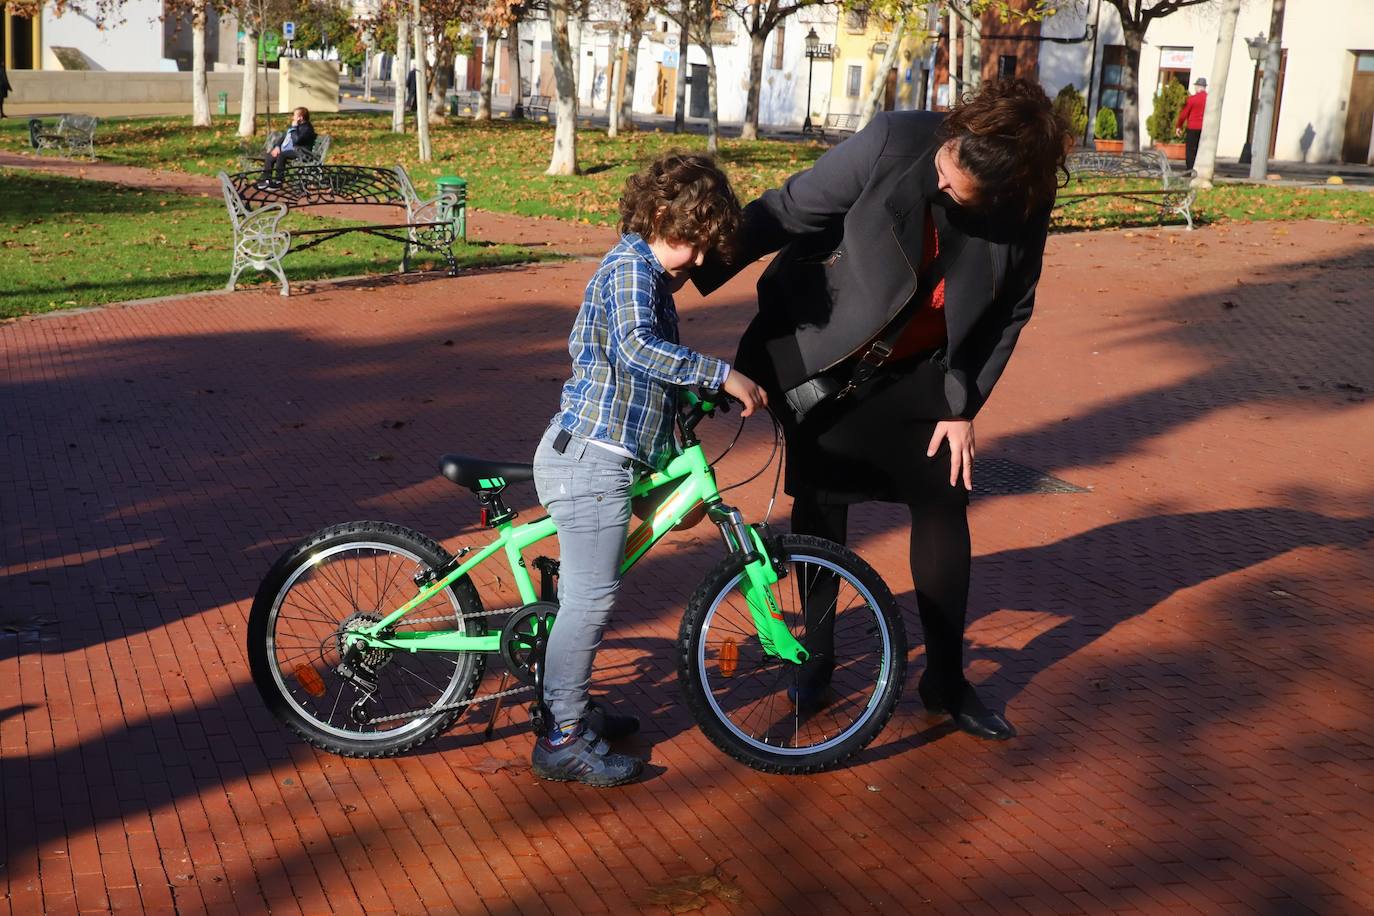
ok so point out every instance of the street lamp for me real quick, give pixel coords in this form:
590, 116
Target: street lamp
1256, 48
814, 49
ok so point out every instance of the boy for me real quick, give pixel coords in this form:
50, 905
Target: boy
616, 418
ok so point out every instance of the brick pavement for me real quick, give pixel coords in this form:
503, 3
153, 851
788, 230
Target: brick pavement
1183, 646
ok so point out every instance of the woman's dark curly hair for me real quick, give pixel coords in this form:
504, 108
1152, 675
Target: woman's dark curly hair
683, 198
1012, 141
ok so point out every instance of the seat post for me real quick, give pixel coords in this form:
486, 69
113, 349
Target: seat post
494, 510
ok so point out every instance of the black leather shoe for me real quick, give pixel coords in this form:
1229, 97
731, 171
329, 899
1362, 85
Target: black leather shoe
609, 725
972, 716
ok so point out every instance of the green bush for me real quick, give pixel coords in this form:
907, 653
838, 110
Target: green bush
1168, 103
1074, 108
1104, 127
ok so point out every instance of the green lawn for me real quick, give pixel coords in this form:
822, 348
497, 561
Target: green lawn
67, 243
504, 163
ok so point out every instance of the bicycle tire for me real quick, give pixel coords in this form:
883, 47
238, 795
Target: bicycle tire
724, 704
335, 602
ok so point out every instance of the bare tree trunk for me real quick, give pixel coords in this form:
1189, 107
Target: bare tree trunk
612, 81
517, 108
200, 87
713, 115
613, 97
879, 86
421, 83
627, 101
1206, 163
248, 106
442, 79
970, 74
488, 70
680, 111
401, 74
750, 129
1269, 90
953, 57
1130, 90
564, 161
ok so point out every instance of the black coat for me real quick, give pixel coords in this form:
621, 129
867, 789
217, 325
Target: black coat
4, 82
305, 135
851, 233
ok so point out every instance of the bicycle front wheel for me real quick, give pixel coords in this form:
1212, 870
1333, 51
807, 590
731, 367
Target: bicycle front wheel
780, 717
343, 578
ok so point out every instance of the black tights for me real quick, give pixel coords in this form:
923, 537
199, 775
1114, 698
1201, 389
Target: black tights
940, 559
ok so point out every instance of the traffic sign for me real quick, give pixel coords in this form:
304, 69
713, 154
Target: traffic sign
288, 30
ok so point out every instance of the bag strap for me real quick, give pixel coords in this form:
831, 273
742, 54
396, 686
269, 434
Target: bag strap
880, 348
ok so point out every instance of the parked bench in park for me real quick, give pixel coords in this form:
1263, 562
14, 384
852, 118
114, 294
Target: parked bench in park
1144, 177
73, 133
315, 155
464, 103
536, 107
256, 214
840, 123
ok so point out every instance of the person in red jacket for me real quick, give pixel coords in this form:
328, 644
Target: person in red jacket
1190, 119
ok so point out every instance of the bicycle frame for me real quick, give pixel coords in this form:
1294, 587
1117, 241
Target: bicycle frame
696, 483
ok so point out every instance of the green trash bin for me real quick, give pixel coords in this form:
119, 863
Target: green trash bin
224, 103
459, 188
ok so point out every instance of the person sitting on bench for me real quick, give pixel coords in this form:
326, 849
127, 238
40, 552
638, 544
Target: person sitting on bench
300, 135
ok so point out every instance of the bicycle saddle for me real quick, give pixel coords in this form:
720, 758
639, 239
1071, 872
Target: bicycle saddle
470, 472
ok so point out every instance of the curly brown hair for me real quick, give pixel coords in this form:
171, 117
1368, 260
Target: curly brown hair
1012, 141
683, 198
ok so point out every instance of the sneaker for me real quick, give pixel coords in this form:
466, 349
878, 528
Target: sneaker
584, 758
609, 725
263, 185
274, 185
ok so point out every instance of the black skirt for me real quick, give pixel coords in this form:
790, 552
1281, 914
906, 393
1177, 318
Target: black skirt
872, 444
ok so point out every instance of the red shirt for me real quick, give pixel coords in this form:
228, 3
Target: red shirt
926, 329
1192, 110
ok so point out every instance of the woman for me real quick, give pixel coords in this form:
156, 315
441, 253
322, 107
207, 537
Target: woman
909, 259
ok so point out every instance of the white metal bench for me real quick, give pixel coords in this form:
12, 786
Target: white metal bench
840, 123
74, 133
1164, 189
256, 214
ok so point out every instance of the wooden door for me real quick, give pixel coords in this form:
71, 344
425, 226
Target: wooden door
890, 91
665, 91
1359, 118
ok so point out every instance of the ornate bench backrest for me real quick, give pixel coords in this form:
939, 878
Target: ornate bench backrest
1144, 164
78, 125
329, 184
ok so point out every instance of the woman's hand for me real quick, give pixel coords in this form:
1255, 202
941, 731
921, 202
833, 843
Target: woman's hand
961, 451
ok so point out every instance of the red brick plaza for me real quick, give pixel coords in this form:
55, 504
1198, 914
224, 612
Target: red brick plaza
1184, 644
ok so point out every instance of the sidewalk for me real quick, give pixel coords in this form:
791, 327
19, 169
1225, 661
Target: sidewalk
1184, 644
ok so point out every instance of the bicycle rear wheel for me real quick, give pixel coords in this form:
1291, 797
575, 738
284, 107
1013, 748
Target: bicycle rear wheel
776, 716
342, 578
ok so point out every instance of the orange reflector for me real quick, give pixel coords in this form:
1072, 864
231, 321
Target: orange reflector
310, 679
729, 658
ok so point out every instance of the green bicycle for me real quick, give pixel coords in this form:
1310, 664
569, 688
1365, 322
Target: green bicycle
369, 639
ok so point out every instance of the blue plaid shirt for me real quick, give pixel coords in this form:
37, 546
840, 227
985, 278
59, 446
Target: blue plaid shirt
627, 363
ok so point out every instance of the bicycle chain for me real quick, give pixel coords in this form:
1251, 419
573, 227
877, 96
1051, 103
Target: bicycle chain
481, 698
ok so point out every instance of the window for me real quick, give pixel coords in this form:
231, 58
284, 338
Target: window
854, 77
779, 39
1006, 65
856, 20
1176, 64
1112, 92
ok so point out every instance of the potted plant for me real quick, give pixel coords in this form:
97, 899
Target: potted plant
1168, 103
1073, 108
1106, 134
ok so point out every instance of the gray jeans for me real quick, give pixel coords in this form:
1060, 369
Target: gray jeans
586, 490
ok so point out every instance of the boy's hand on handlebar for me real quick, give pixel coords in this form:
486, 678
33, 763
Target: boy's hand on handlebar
745, 390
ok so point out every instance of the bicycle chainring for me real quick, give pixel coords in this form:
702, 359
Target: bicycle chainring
524, 636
